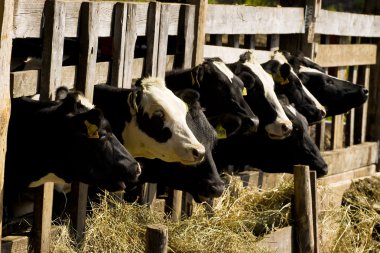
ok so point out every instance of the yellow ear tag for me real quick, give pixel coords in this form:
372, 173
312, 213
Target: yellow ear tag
244, 92
220, 132
187, 106
92, 130
279, 79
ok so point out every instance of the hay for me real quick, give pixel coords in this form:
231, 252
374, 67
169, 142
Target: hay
237, 222
355, 226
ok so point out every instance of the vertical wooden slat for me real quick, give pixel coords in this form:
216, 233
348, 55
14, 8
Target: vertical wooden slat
185, 41
200, 23
249, 41
314, 206
52, 52
303, 209
274, 42
118, 42
129, 47
156, 238
6, 26
152, 37
351, 116
174, 203
43, 208
88, 42
320, 135
216, 39
233, 40
365, 106
51, 72
148, 194
163, 40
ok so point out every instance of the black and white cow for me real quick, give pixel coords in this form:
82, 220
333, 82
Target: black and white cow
270, 155
202, 180
294, 89
64, 141
150, 120
220, 94
337, 95
261, 97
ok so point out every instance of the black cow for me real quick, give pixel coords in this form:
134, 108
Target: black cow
294, 89
337, 95
269, 155
220, 94
201, 181
261, 97
150, 121
63, 141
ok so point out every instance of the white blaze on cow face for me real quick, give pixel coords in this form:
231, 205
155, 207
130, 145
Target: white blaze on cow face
282, 126
279, 56
224, 69
182, 146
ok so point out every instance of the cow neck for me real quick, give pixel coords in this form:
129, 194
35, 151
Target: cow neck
114, 104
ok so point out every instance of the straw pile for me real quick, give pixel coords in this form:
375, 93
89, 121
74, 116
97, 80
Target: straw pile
236, 223
355, 226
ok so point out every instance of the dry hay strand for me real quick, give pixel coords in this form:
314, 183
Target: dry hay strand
235, 224
357, 222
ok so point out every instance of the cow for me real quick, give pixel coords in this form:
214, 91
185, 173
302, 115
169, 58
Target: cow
63, 141
294, 89
261, 97
337, 95
220, 94
150, 121
273, 156
202, 181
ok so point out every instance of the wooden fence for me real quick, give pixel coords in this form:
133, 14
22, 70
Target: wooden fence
340, 42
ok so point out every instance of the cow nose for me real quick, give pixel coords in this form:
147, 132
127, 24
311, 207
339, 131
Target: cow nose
323, 113
138, 170
286, 128
253, 124
365, 91
198, 154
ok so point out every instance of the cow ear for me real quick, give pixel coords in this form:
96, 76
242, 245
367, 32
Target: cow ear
61, 93
88, 123
134, 98
285, 71
197, 75
189, 96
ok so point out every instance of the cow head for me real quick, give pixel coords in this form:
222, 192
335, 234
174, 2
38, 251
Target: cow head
90, 151
202, 181
337, 95
293, 88
158, 127
261, 97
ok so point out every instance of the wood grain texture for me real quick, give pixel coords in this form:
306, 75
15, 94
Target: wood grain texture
239, 19
156, 238
152, 37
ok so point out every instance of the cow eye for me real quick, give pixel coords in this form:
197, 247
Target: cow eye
158, 114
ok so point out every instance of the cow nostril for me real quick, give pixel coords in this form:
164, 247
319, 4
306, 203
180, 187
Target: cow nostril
365, 91
138, 170
285, 128
323, 113
197, 155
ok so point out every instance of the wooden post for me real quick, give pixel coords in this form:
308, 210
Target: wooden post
303, 210
152, 37
88, 39
200, 23
6, 26
156, 239
43, 208
314, 205
175, 204
163, 40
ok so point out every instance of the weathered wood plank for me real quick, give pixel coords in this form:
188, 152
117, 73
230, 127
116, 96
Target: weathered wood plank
43, 208
129, 50
239, 19
199, 37
228, 54
14, 244
163, 40
156, 238
346, 159
345, 55
88, 49
303, 213
279, 241
347, 24
118, 43
365, 105
152, 38
28, 18
6, 24
52, 52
